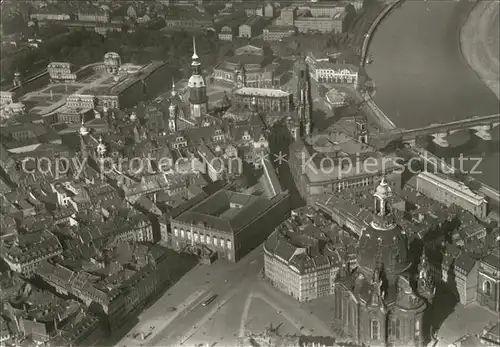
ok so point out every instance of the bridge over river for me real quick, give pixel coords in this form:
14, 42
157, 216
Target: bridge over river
421, 76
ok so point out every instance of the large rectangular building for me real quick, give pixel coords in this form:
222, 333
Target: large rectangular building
334, 162
267, 99
448, 191
228, 223
277, 33
334, 24
325, 71
301, 258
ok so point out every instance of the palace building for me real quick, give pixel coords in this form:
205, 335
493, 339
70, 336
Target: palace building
376, 304
333, 162
251, 66
62, 71
229, 223
327, 71
267, 99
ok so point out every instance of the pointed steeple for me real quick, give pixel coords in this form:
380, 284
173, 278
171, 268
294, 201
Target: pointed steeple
173, 92
425, 281
195, 55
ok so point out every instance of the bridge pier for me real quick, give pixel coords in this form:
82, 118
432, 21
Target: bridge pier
440, 140
483, 132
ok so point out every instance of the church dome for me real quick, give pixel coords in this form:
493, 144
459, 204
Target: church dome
383, 244
387, 249
196, 81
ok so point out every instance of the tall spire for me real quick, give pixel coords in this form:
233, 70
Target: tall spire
173, 93
195, 55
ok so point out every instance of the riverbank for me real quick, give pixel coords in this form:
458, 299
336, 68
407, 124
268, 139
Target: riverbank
479, 43
423, 78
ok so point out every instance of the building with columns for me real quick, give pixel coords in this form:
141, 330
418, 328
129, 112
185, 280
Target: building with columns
334, 162
324, 70
228, 223
376, 304
251, 66
267, 99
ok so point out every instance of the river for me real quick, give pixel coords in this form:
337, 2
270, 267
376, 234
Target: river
422, 78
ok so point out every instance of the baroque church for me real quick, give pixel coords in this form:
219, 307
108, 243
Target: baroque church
382, 302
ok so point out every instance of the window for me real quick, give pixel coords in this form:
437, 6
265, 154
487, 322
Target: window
375, 330
176, 232
394, 328
487, 287
417, 328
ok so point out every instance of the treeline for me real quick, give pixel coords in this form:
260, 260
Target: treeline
82, 47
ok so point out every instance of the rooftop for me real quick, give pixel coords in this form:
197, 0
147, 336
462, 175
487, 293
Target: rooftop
459, 188
226, 211
273, 93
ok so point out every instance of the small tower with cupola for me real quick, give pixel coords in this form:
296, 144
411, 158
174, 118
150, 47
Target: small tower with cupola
101, 150
383, 218
83, 132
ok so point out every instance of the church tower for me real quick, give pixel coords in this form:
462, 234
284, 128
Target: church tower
383, 218
83, 132
198, 100
304, 100
361, 129
101, 150
172, 110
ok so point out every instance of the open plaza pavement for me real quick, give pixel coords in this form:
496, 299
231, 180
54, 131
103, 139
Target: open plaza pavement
245, 303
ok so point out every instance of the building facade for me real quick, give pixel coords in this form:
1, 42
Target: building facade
299, 260
200, 231
277, 33
335, 24
317, 168
252, 27
448, 191
250, 66
488, 281
330, 72
28, 254
61, 72
267, 99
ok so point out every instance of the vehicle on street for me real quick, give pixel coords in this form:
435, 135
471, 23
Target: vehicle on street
209, 300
